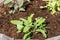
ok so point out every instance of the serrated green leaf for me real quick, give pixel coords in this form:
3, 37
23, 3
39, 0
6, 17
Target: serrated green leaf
27, 36
22, 19
16, 22
30, 18
19, 27
28, 22
43, 32
26, 29
42, 26
39, 21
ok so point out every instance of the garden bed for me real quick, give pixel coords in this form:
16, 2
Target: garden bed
53, 21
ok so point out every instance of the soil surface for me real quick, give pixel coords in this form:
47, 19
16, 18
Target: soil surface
53, 21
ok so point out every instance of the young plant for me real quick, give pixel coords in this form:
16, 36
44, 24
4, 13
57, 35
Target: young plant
29, 27
16, 4
52, 5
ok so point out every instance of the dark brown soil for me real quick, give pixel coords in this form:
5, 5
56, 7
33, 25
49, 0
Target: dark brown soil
53, 21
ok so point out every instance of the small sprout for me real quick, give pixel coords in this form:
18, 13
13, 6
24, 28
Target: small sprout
17, 6
52, 5
29, 27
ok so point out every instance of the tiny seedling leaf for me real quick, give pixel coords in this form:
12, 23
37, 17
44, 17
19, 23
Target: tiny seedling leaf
52, 5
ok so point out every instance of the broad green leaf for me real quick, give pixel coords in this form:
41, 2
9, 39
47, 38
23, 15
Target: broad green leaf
42, 20
42, 26
39, 21
26, 29
53, 12
25, 21
19, 27
43, 32
30, 18
27, 36
16, 22
7, 1
21, 9
22, 19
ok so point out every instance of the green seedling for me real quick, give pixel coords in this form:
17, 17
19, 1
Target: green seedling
16, 4
52, 5
28, 26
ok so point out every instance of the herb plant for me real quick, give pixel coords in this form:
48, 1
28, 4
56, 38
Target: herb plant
16, 4
29, 27
52, 5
